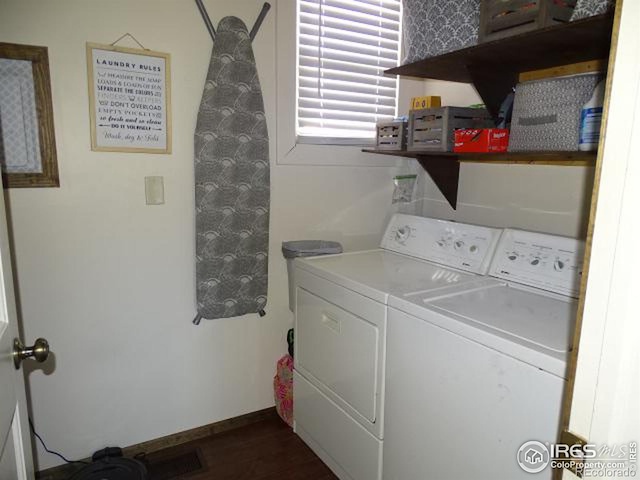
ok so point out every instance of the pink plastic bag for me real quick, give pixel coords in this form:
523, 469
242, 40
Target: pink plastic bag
283, 389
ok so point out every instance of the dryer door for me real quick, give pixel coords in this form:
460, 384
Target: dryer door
339, 351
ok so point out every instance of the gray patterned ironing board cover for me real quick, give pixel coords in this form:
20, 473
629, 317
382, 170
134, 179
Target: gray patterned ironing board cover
231, 181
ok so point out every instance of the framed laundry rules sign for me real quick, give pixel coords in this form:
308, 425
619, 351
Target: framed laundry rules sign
129, 99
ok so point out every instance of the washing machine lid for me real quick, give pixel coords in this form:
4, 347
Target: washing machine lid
534, 328
380, 273
544, 322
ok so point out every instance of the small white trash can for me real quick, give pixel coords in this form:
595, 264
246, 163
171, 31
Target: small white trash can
305, 248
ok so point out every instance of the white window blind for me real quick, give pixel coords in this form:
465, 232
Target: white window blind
343, 48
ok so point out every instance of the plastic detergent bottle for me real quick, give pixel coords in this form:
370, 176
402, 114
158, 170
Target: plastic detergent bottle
590, 119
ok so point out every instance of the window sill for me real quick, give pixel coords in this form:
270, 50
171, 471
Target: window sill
335, 155
358, 142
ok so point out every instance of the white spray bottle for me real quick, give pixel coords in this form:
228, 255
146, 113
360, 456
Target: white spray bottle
591, 119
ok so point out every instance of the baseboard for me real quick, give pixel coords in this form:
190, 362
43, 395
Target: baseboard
63, 472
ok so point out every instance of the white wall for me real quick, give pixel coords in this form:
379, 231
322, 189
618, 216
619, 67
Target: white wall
552, 199
110, 281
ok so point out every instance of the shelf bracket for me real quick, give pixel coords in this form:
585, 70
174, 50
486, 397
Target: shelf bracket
445, 173
493, 85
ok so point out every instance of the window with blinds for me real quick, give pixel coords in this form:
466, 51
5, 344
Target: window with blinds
343, 48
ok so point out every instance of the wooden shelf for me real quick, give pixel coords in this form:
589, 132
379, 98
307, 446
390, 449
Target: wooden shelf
493, 67
444, 167
572, 42
522, 158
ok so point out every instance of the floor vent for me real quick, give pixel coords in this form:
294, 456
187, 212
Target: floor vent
174, 465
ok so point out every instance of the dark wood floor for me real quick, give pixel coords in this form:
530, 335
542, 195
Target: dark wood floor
267, 450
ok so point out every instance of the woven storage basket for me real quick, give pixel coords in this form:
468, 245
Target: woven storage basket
589, 8
546, 113
434, 27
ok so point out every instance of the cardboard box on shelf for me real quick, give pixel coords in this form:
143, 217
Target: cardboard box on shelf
418, 103
481, 140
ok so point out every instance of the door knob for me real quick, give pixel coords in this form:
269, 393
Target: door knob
39, 351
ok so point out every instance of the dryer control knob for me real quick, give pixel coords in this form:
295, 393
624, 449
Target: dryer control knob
558, 265
458, 244
403, 233
535, 262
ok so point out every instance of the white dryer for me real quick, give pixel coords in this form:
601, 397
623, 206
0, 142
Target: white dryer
341, 323
473, 376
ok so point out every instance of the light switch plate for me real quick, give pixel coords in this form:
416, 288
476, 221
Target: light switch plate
154, 190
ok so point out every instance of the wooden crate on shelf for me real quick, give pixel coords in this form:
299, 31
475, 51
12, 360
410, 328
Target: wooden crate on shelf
505, 18
432, 129
391, 136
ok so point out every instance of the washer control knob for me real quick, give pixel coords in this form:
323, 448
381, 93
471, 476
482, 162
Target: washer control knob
474, 249
535, 262
458, 244
512, 256
558, 265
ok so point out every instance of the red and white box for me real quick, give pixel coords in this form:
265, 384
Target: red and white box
481, 140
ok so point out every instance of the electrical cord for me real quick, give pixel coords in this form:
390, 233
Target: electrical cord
35, 434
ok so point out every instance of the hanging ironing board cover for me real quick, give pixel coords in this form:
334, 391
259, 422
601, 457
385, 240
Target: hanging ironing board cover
231, 181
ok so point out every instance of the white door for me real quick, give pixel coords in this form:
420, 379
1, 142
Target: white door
16, 460
604, 400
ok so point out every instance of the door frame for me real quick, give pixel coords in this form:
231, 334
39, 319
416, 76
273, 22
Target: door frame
602, 333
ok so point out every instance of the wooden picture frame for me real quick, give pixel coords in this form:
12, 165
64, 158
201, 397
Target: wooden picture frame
48, 175
120, 76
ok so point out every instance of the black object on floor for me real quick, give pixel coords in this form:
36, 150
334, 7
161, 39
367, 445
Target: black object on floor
169, 467
109, 464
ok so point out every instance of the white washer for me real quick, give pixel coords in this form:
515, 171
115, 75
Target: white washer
341, 322
472, 376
